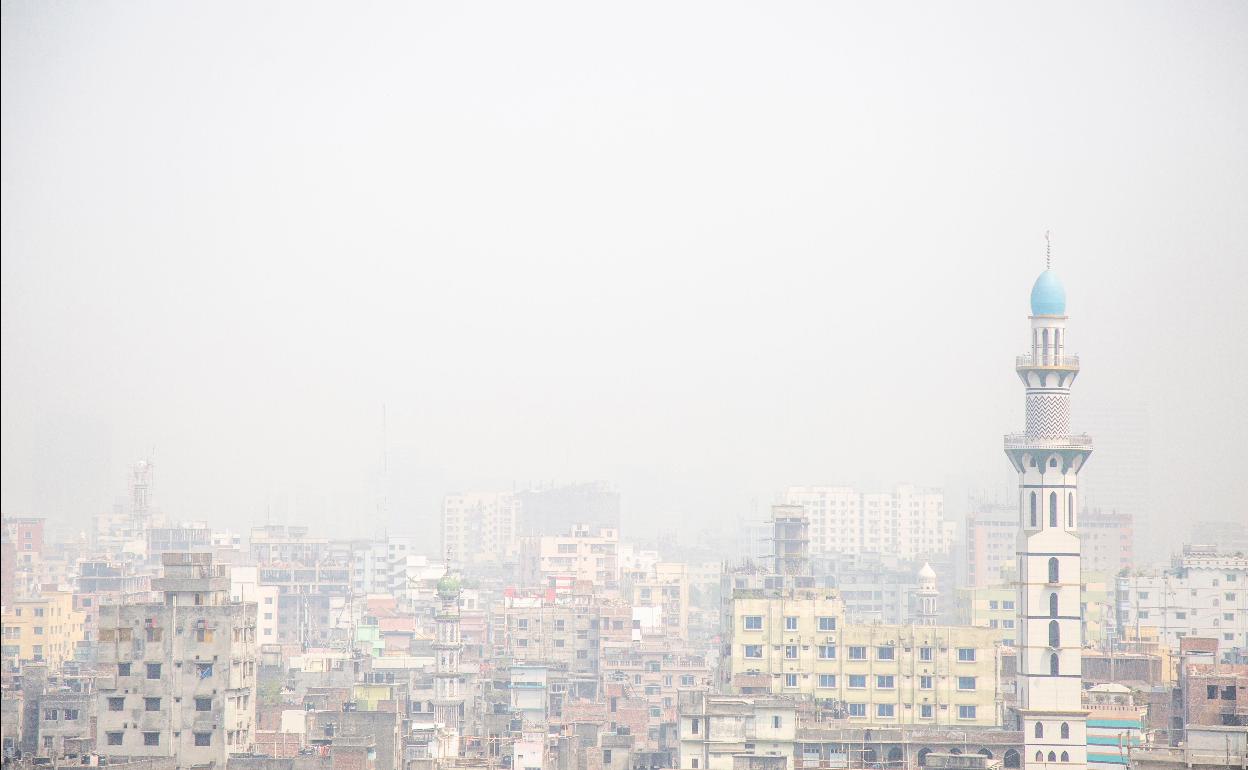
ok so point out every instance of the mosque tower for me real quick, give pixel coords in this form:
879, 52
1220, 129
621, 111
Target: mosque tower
1048, 458
448, 682
927, 596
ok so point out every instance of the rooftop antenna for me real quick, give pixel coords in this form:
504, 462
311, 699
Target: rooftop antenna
1048, 251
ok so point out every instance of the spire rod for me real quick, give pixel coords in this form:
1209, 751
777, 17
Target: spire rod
1048, 251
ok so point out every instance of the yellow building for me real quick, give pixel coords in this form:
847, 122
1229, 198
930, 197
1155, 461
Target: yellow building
796, 643
45, 628
994, 607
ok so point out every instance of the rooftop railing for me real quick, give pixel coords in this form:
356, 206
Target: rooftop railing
1052, 362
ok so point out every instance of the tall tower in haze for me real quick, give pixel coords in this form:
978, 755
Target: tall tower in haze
1048, 458
448, 682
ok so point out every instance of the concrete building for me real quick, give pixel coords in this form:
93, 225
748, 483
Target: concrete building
716, 731
796, 643
1106, 541
555, 509
44, 628
991, 540
245, 586
1115, 725
1048, 458
181, 678
480, 527
1204, 593
580, 559
907, 522
666, 587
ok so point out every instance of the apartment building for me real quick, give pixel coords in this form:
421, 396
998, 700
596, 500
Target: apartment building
797, 644
907, 522
480, 527
665, 589
584, 558
990, 545
44, 628
181, 678
1204, 593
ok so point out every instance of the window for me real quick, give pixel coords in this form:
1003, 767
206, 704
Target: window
1038, 730
153, 671
1052, 605
1033, 509
857, 709
993, 604
1070, 510
1053, 573
925, 711
827, 652
966, 683
884, 682
1065, 756
775, 722
686, 680
753, 650
1065, 730
885, 653
790, 680
203, 739
790, 623
114, 739
925, 653
753, 622
885, 710
116, 704
1052, 509
70, 715
827, 680
203, 704
827, 624
1053, 665
151, 739
966, 654
695, 726
966, 712
151, 704
1007, 604
1211, 691
925, 683
695, 763
790, 651
1055, 634
50, 715
857, 653
857, 681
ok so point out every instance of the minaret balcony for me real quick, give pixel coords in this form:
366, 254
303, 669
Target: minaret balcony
1046, 362
1026, 441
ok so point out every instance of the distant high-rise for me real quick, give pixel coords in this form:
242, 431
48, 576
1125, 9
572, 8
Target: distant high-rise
907, 522
557, 509
480, 527
1048, 458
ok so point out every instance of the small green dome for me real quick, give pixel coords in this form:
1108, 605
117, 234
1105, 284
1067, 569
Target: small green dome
448, 587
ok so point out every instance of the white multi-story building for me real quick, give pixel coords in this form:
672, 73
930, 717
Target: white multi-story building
245, 586
1048, 458
480, 527
1204, 593
908, 522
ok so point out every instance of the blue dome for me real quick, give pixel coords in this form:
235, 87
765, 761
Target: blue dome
1047, 295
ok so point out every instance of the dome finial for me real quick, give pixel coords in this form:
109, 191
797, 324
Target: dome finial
1048, 252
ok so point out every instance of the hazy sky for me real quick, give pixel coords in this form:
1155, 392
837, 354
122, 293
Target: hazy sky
703, 251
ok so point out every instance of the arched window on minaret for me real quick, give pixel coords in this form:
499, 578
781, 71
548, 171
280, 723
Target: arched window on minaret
1053, 573
1065, 730
1052, 605
1065, 756
1053, 664
1052, 757
1057, 342
1039, 731
1053, 509
1033, 509
1039, 756
1070, 510
1044, 335
1055, 634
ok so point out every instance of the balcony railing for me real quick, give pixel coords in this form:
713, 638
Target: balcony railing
1025, 441
1050, 362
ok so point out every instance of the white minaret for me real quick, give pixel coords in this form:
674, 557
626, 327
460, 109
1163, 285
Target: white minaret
448, 682
927, 596
1048, 458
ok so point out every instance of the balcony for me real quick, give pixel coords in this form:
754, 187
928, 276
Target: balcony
1046, 362
1025, 441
